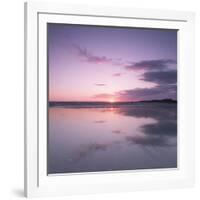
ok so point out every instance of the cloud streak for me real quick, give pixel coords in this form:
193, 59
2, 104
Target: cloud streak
91, 58
117, 74
157, 92
99, 121
139, 94
118, 132
100, 84
147, 65
150, 65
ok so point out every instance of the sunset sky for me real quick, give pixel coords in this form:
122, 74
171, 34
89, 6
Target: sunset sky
90, 63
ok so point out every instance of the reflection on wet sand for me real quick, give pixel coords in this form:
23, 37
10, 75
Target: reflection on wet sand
163, 132
142, 136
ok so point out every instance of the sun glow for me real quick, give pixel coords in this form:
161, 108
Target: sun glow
111, 100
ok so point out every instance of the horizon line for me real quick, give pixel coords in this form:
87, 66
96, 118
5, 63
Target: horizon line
113, 101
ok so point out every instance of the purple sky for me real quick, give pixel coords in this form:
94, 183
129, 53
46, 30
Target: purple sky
90, 63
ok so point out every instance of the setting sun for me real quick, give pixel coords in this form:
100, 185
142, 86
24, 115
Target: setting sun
111, 100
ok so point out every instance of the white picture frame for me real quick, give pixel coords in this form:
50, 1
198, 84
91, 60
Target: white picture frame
37, 183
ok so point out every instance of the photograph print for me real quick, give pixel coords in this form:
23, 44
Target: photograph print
112, 98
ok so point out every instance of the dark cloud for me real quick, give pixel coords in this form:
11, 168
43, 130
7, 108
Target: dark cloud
157, 92
149, 65
100, 84
140, 94
156, 71
89, 57
160, 77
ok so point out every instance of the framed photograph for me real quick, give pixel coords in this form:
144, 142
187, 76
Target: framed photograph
108, 99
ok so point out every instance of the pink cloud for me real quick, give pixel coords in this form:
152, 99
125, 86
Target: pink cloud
100, 84
89, 57
117, 74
